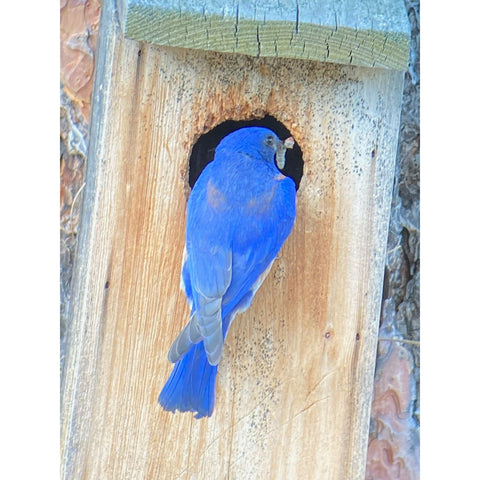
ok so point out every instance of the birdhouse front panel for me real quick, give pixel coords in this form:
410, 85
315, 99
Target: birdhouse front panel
294, 382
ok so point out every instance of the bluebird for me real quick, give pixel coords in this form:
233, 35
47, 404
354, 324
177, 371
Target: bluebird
239, 214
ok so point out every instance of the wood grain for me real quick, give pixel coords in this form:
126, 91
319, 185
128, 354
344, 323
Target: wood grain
367, 33
295, 382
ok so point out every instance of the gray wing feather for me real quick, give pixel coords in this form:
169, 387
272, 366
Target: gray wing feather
209, 317
211, 277
187, 337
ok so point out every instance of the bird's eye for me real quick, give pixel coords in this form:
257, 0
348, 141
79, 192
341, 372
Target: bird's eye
270, 141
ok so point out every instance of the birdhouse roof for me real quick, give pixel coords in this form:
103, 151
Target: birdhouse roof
365, 33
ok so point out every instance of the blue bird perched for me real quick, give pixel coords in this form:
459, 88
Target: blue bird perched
239, 214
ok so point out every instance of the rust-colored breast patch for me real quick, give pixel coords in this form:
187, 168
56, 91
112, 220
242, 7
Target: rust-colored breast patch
262, 205
215, 198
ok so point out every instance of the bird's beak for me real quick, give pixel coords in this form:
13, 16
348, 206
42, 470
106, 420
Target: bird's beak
281, 150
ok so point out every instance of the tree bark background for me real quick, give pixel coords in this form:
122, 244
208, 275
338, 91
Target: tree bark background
393, 451
394, 433
79, 21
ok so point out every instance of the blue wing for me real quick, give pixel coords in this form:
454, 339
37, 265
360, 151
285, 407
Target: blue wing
265, 225
207, 270
232, 240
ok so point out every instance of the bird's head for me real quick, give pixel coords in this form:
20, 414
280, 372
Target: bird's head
257, 141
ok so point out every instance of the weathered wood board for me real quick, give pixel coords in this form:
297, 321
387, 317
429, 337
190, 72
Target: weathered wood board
295, 382
366, 33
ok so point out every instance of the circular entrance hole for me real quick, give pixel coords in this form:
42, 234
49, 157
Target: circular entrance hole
204, 150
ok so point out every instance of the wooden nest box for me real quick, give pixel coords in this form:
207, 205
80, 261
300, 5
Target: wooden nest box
296, 378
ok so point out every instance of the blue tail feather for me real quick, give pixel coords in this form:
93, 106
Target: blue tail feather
191, 385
